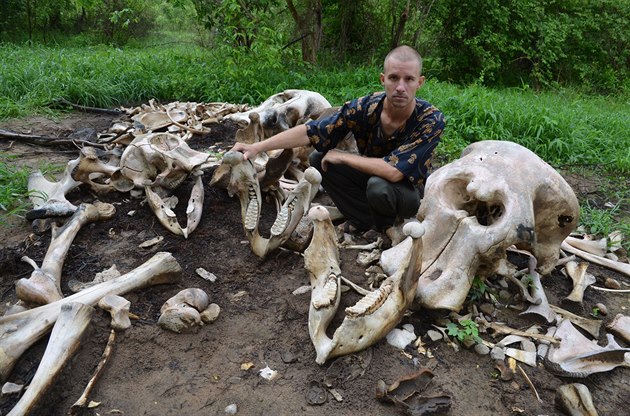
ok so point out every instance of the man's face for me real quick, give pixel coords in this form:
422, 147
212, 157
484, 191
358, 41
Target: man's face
401, 81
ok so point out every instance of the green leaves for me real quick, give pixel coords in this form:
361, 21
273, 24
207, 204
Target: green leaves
464, 331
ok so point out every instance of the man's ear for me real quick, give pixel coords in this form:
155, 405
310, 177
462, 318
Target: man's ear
382, 78
421, 81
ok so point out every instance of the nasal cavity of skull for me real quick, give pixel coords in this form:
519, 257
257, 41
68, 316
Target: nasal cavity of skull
486, 212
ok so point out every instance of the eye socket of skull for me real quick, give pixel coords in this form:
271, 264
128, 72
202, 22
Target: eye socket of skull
456, 196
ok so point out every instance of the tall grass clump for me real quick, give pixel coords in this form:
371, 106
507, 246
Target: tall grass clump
13, 188
562, 127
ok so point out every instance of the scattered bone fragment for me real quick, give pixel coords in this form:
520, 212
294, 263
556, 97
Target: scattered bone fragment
206, 275
581, 279
498, 194
151, 242
64, 340
211, 313
268, 374
400, 338
44, 285
591, 326
602, 261
11, 388
101, 177
620, 326
611, 283
373, 316
82, 401
575, 400
576, 356
21, 330
118, 307
405, 387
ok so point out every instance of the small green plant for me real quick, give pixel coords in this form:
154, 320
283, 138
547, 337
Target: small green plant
465, 330
477, 290
595, 312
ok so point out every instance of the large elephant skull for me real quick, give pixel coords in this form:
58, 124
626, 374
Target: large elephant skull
498, 194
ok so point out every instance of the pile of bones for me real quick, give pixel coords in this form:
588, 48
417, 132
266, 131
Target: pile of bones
498, 197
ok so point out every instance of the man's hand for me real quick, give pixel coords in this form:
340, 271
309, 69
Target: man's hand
249, 151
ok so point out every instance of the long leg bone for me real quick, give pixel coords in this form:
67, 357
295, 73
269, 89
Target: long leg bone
21, 330
64, 340
373, 316
602, 261
44, 285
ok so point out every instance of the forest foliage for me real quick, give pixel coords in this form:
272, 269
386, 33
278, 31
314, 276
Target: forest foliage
535, 43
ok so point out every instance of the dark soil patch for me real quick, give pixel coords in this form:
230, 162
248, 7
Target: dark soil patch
154, 372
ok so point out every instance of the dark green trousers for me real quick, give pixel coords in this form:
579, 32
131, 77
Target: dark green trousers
368, 202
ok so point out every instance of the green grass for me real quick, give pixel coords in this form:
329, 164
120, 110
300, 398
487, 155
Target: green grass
563, 127
13, 190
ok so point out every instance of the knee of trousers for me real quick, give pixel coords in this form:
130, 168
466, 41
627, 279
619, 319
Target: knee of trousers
380, 193
315, 160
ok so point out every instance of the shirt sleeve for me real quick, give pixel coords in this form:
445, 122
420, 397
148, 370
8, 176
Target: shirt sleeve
326, 133
413, 157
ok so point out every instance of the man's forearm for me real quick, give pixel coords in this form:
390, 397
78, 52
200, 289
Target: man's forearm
288, 139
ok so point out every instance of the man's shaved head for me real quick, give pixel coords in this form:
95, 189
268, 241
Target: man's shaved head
404, 53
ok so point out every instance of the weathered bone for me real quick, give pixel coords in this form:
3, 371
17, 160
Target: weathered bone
82, 401
591, 326
159, 119
284, 110
538, 292
253, 133
44, 285
118, 308
578, 357
244, 183
49, 198
373, 316
90, 167
596, 247
581, 280
182, 312
498, 194
165, 214
160, 159
64, 340
21, 330
602, 261
575, 400
620, 326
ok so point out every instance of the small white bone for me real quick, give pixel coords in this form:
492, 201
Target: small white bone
581, 279
49, 198
575, 399
118, 307
596, 247
602, 261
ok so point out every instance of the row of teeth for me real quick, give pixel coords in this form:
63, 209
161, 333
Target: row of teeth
251, 214
370, 302
282, 220
328, 295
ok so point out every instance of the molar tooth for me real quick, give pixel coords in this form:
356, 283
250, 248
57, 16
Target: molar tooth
281, 222
370, 302
326, 297
251, 215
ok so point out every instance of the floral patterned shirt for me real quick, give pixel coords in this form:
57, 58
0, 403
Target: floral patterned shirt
409, 149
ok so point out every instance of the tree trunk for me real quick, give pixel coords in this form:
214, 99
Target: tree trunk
311, 23
399, 29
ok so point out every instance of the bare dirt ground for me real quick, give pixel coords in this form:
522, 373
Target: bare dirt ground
155, 372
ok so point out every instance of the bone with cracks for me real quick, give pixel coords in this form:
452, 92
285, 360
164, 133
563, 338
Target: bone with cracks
44, 285
243, 182
21, 330
373, 316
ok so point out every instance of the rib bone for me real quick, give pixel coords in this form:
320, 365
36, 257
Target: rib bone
44, 285
21, 330
64, 340
602, 261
